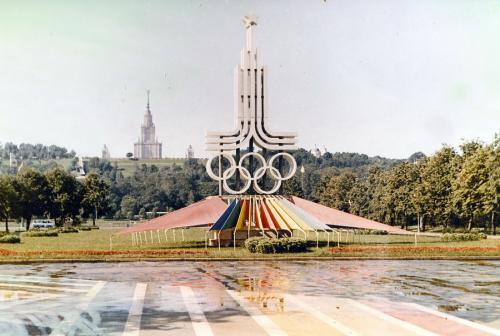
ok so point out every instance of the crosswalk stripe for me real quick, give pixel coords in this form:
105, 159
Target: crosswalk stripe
133, 324
66, 281
262, 320
25, 286
455, 319
321, 316
82, 306
392, 319
198, 319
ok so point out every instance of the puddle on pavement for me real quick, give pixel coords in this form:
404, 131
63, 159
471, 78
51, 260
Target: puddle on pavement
468, 290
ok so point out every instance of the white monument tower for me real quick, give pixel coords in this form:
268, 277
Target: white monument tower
251, 115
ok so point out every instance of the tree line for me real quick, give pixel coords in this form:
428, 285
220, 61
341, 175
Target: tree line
27, 151
451, 188
56, 194
151, 188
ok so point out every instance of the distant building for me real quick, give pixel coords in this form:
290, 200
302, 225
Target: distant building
80, 167
148, 146
12, 160
316, 152
190, 152
105, 153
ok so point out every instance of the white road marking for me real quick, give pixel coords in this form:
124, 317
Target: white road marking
73, 318
60, 289
9, 280
471, 324
200, 323
321, 316
75, 282
392, 319
133, 325
262, 320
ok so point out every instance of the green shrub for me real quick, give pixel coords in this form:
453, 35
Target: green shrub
251, 243
40, 233
9, 239
94, 227
265, 246
68, 229
84, 228
449, 237
295, 245
281, 245
379, 232
372, 232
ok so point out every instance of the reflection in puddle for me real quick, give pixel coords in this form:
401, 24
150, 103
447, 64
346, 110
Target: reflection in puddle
260, 291
449, 308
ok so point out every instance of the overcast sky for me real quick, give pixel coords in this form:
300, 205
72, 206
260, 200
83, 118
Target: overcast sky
378, 77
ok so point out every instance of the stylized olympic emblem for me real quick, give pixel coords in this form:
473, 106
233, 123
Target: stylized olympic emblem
263, 168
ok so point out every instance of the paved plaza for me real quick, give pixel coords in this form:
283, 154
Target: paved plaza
252, 298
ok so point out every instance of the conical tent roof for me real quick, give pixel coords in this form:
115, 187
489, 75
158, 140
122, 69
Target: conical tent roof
339, 218
202, 213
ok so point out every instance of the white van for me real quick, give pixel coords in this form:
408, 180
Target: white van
42, 224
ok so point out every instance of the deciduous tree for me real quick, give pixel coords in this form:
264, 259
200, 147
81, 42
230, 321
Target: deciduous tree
8, 199
95, 192
33, 195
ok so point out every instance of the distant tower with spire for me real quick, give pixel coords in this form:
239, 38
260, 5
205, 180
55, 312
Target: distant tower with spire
190, 152
148, 146
105, 153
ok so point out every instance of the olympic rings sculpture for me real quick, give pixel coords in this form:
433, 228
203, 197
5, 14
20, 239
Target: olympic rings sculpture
259, 173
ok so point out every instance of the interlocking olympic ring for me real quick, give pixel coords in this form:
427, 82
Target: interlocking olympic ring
259, 173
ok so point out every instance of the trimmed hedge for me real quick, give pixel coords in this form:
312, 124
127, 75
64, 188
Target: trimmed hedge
373, 232
265, 246
9, 239
251, 243
37, 233
281, 245
68, 230
448, 237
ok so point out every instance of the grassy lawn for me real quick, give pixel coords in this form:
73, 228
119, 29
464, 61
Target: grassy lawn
95, 244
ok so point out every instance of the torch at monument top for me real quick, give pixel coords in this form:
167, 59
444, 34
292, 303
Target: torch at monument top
250, 21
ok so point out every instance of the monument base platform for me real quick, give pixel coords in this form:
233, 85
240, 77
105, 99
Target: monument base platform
228, 238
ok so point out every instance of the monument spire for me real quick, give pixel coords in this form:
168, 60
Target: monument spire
147, 106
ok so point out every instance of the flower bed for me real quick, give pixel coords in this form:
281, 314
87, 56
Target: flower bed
412, 249
5, 252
